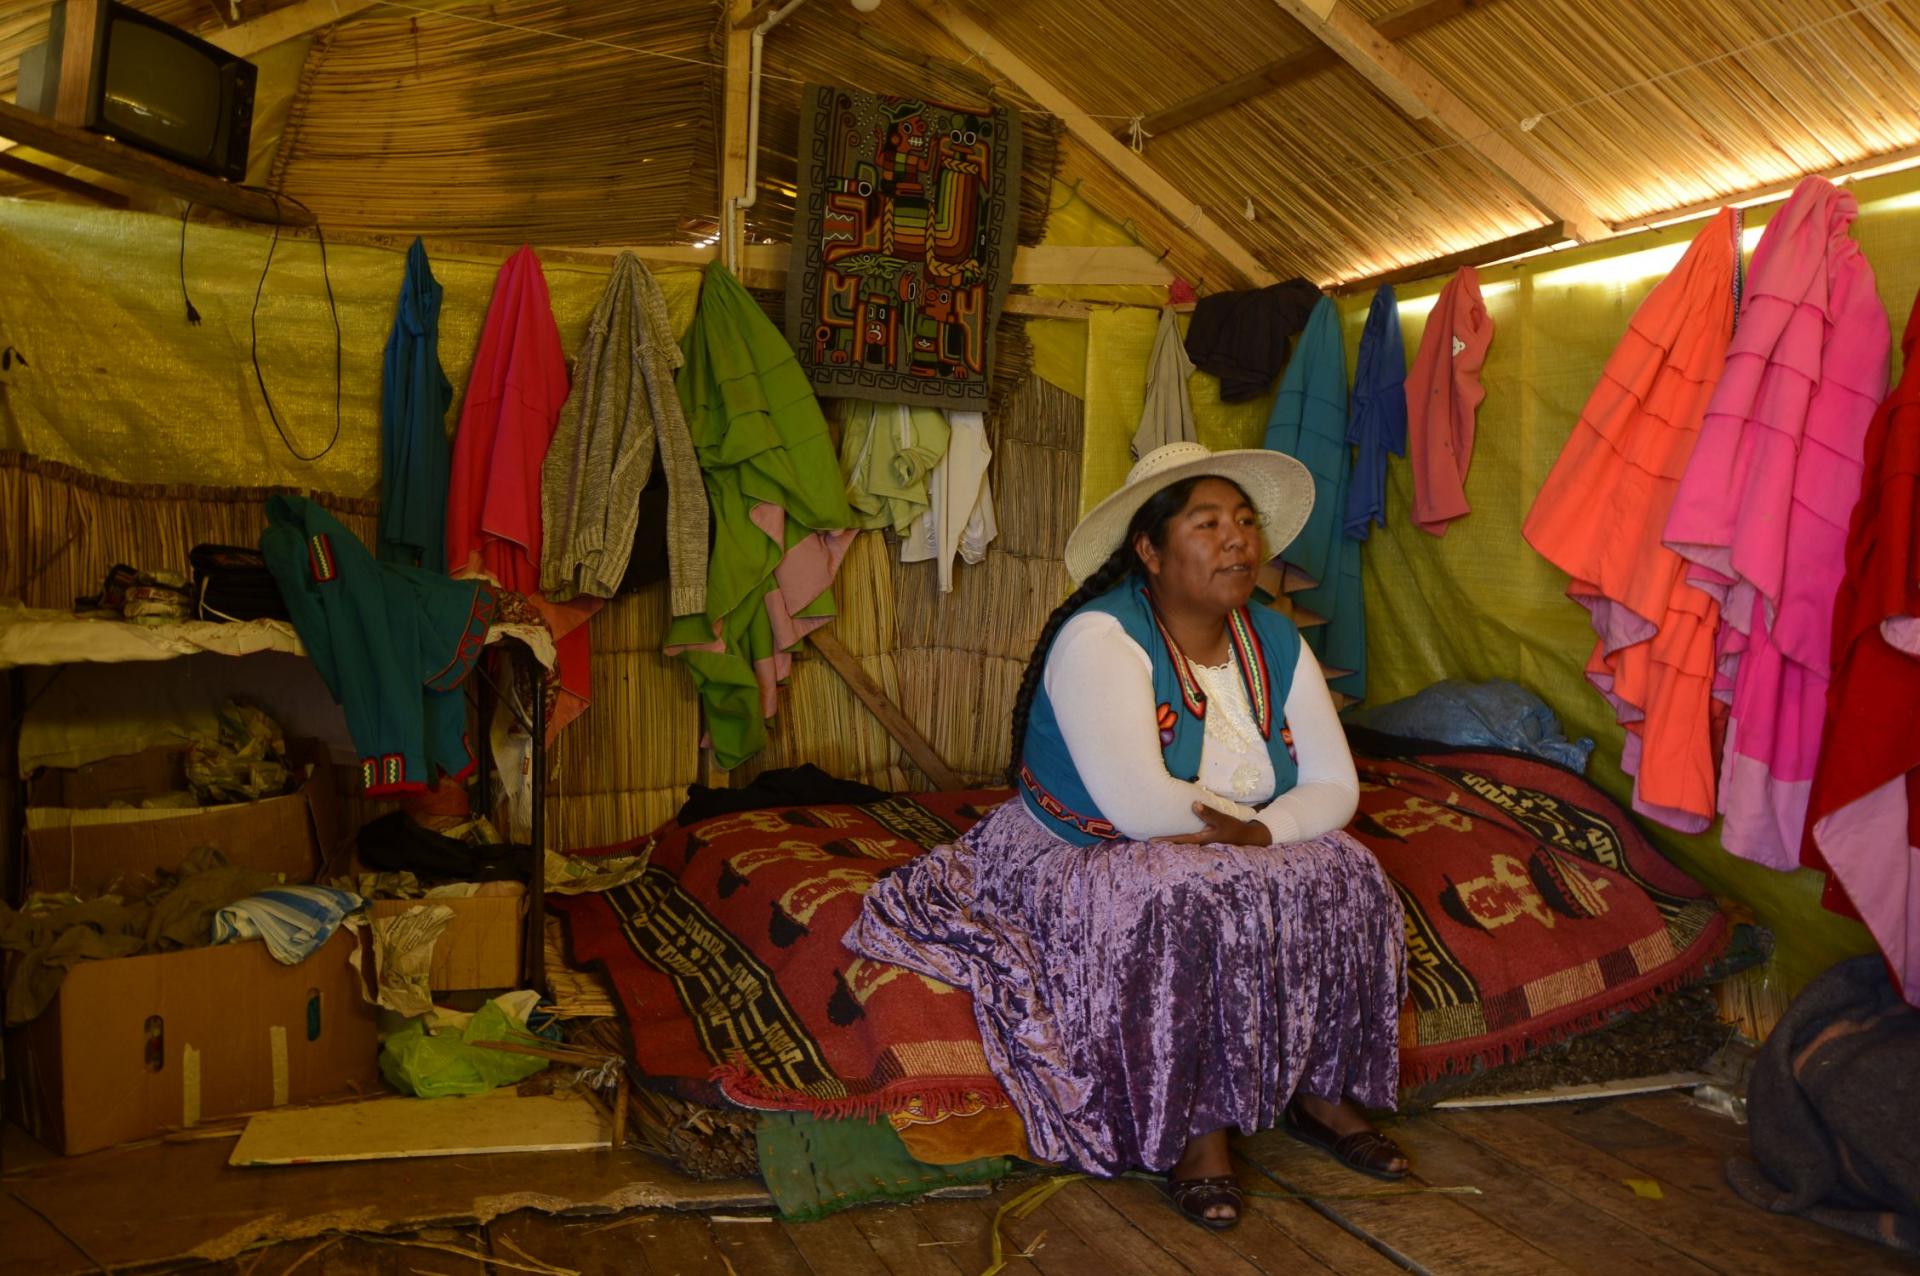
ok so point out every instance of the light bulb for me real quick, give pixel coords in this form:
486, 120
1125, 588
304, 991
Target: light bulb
865, 6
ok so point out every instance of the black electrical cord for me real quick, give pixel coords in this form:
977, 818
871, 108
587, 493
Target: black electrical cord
254, 324
193, 316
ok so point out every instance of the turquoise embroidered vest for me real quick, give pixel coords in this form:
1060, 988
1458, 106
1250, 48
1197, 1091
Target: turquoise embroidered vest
1266, 646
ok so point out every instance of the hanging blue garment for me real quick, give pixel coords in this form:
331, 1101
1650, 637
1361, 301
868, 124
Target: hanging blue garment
414, 398
1379, 422
1309, 423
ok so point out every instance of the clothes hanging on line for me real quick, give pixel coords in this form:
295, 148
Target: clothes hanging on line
1378, 425
1763, 508
959, 518
1864, 811
414, 397
622, 409
1241, 337
1167, 415
1322, 576
1443, 397
1600, 515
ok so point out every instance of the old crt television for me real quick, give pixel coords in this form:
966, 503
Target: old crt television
114, 70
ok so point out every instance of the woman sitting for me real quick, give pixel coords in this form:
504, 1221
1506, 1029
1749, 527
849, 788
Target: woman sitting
1167, 936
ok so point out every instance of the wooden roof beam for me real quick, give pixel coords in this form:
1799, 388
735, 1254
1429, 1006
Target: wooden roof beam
1131, 167
1420, 96
1480, 255
1398, 25
257, 35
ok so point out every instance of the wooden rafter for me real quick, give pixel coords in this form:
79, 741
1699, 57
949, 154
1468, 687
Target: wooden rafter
1398, 25
1178, 205
1420, 96
1479, 255
257, 35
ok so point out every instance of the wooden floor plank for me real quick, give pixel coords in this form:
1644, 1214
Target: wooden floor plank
833, 1246
1711, 1225
967, 1229
1436, 1231
1253, 1247
759, 1249
679, 1244
1700, 1170
590, 1246
895, 1233
1549, 1217
1115, 1238
1698, 1124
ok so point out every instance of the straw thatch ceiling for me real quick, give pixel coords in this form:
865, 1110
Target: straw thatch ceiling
1477, 120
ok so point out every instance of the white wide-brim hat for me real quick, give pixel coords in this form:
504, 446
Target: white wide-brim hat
1280, 488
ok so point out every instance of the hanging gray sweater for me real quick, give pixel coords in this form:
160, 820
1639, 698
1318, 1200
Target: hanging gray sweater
623, 404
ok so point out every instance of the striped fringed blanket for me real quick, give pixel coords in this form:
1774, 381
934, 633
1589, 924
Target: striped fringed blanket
727, 962
1536, 908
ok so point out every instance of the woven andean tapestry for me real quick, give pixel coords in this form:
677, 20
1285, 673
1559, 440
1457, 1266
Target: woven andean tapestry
903, 241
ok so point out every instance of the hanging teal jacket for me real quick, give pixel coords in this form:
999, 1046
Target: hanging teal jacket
1309, 423
1266, 648
414, 398
393, 643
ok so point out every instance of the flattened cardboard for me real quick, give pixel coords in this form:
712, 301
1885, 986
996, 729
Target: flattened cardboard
392, 1129
134, 1045
284, 834
480, 948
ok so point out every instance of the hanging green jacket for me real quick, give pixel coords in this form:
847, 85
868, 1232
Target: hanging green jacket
775, 487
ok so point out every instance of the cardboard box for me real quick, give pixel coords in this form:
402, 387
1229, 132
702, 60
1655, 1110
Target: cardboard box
481, 946
133, 1045
74, 842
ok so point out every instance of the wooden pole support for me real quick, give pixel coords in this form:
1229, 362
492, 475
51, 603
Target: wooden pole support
872, 695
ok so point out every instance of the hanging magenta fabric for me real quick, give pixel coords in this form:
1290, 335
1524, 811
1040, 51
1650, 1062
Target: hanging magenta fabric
1865, 811
1443, 396
514, 393
1762, 511
1600, 515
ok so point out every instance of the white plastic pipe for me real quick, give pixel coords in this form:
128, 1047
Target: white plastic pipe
738, 205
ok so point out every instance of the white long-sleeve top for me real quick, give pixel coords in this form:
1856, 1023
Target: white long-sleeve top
1100, 682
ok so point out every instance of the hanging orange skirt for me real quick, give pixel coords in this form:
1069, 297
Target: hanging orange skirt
1600, 516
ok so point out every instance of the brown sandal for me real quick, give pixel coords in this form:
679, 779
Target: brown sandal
1194, 1197
1368, 1151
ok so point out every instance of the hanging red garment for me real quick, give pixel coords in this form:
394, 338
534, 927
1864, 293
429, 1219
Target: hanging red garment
1443, 396
1600, 515
514, 393
1864, 816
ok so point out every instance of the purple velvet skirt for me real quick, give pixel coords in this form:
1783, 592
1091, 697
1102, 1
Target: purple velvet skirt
1132, 995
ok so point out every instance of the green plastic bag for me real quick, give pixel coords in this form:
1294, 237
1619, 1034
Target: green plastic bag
450, 1064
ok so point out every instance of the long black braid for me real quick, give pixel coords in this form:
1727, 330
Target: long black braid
1151, 518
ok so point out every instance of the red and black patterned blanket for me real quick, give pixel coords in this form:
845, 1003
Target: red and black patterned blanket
1535, 908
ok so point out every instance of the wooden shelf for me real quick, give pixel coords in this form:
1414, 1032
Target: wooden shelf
105, 155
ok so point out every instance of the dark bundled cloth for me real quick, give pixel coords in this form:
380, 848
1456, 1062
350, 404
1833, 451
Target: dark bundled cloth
394, 843
1833, 1107
1241, 337
803, 785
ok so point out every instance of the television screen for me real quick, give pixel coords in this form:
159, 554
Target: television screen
161, 89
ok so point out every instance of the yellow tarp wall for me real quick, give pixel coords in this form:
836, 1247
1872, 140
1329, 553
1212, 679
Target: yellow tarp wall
1479, 603
117, 383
